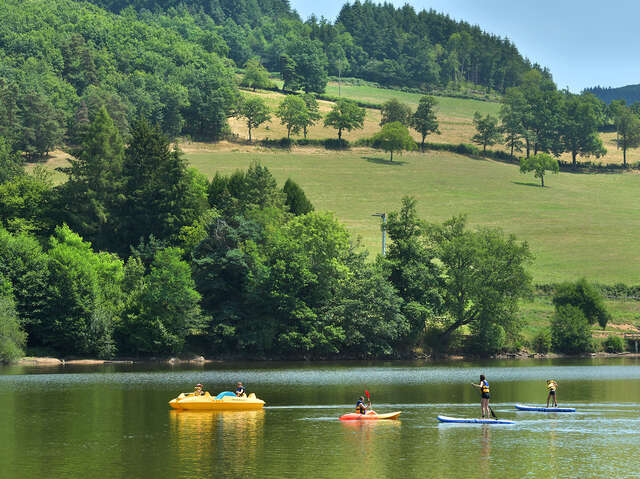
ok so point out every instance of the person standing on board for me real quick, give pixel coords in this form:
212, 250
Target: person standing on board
552, 386
485, 396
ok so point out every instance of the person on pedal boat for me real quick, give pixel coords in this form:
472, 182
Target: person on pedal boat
552, 386
485, 395
240, 390
198, 390
361, 407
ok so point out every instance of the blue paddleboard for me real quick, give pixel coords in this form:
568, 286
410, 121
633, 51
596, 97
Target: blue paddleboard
522, 407
473, 421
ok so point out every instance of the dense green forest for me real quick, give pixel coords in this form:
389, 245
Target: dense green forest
629, 94
377, 42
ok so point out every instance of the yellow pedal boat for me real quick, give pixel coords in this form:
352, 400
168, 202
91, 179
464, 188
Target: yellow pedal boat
225, 401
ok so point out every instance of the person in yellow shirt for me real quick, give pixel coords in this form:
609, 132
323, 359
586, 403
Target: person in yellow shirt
552, 387
198, 390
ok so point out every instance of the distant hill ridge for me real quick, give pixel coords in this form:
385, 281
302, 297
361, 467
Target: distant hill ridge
629, 93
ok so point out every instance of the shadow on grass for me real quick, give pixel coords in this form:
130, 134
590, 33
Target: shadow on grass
384, 161
522, 183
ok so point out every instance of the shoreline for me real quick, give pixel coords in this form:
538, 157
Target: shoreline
37, 361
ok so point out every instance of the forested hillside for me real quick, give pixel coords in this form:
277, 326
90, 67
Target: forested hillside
62, 60
630, 93
377, 42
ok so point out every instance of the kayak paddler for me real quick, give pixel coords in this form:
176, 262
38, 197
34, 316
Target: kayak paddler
361, 407
485, 395
552, 386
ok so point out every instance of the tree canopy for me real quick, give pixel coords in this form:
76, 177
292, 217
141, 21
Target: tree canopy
424, 120
539, 164
488, 131
392, 137
345, 115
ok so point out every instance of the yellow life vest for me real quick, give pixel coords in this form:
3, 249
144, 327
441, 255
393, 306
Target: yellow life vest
552, 386
484, 387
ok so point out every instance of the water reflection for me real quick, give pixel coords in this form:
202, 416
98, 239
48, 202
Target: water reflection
210, 441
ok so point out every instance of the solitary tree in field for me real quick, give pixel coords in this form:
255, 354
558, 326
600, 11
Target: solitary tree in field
539, 164
293, 114
345, 115
393, 110
628, 129
424, 120
488, 131
394, 137
255, 75
255, 111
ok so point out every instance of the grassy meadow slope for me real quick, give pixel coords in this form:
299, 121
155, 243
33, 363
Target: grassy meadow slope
580, 225
454, 114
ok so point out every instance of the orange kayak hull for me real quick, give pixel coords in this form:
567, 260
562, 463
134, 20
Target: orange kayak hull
370, 416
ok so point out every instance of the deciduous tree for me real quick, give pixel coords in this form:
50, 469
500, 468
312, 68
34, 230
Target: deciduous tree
582, 116
628, 130
585, 297
393, 110
488, 131
424, 120
345, 115
539, 164
293, 114
393, 137
255, 75
484, 275
255, 111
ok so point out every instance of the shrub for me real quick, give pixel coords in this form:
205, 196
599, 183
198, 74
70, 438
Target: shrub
542, 342
584, 296
336, 144
613, 344
570, 331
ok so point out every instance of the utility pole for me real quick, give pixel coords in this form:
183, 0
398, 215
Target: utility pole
384, 231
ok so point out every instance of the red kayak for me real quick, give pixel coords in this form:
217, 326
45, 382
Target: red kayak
371, 415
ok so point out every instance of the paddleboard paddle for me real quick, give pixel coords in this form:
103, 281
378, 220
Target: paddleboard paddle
493, 414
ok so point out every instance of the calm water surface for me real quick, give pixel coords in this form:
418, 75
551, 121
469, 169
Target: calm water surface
114, 421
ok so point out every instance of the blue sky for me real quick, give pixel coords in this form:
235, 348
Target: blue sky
583, 43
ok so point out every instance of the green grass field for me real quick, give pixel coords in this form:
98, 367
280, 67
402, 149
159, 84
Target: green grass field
447, 106
580, 225
537, 315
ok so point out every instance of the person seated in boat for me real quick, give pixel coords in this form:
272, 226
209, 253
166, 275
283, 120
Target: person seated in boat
240, 390
552, 387
485, 395
198, 390
361, 407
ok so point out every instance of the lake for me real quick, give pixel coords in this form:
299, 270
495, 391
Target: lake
113, 421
